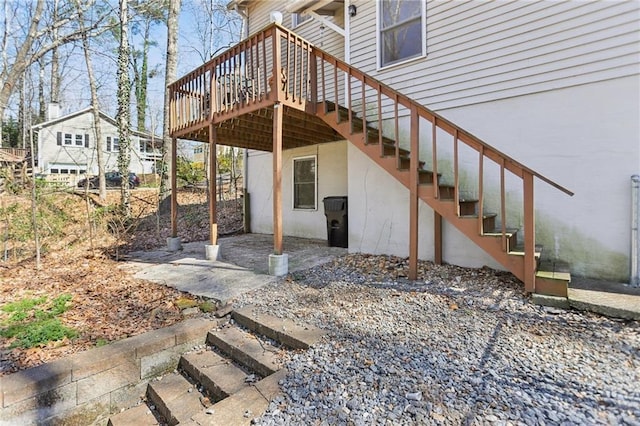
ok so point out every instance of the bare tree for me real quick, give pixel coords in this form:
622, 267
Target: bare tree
170, 76
21, 48
124, 113
95, 106
147, 14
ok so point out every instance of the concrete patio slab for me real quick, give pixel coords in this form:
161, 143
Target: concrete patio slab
242, 264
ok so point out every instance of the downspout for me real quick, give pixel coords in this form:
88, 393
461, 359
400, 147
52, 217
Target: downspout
635, 235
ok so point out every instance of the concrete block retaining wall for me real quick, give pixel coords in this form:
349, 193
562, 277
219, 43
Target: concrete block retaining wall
87, 387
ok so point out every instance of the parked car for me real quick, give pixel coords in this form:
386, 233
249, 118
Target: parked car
112, 179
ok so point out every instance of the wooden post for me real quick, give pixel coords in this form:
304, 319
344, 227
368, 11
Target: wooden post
529, 234
213, 219
174, 189
413, 195
437, 236
277, 178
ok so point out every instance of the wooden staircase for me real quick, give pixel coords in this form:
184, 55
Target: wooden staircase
434, 158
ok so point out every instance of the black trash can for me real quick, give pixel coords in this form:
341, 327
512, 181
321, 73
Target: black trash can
335, 209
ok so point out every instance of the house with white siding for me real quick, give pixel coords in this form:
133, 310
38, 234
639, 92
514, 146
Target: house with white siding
66, 146
498, 101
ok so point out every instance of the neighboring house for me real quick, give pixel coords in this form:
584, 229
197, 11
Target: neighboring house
67, 148
544, 92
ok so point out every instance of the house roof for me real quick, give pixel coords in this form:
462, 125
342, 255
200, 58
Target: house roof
103, 116
321, 7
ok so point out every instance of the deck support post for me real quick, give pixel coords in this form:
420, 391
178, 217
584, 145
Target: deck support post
529, 234
277, 178
173, 242
413, 196
437, 237
212, 248
174, 189
278, 261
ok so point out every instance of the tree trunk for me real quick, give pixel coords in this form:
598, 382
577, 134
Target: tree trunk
97, 129
123, 115
55, 60
170, 76
42, 104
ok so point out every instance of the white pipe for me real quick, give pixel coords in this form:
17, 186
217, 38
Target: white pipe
635, 235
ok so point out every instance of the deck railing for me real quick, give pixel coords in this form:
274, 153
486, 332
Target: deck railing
276, 65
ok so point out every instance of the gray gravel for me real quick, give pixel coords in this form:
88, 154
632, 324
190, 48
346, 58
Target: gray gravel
458, 346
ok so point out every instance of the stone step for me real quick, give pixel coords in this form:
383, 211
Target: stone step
175, 398
284, 331
139, 415
217, 375
242, 407
246, 349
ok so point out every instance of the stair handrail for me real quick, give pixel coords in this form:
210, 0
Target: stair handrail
423, 111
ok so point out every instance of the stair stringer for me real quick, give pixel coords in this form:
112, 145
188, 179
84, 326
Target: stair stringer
492, 245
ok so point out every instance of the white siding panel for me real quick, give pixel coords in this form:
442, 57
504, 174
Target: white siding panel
480, 51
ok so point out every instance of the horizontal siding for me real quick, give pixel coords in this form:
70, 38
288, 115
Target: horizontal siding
481, 51
326, 39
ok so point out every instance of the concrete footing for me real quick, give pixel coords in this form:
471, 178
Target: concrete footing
212, 251
174, 243
278, 264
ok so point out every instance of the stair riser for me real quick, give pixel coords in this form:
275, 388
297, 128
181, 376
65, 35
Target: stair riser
239, 356
468, 208
405, 163
551, 287
161, 407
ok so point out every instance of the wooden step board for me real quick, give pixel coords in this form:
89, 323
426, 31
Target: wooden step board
553, 279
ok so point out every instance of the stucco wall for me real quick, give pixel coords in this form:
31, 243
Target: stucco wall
586, 138
332, 181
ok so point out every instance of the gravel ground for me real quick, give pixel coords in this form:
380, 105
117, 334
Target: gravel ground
458, 346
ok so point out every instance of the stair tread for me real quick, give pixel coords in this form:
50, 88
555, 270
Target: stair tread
175, 398
498, 232
138, 415
284, 331
252, 400
562, 276
246, 349
475, 216
216, 374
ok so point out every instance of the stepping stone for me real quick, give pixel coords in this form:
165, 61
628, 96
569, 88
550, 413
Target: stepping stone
175, 398
246, 349
216, 374
281, 330
139, 415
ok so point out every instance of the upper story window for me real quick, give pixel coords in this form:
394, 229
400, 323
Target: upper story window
113, 144
72, 139
402, 32
299, 19
304, 183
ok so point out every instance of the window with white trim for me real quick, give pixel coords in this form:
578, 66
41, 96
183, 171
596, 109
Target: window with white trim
299, 19
304, 183
68, 139
402, 34
113, 144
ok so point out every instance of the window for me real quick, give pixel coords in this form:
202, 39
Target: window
402, 35
298, 19
113, 144
79, 140
304, 183
68, 139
